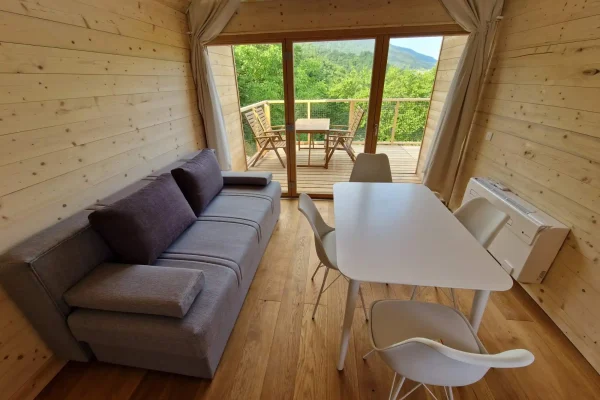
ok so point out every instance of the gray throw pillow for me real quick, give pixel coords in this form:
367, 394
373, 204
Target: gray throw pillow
141, 226
200, 180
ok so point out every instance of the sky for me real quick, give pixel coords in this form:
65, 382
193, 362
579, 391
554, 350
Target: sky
429, 46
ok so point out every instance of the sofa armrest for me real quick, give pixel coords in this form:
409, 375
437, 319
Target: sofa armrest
142, 289
247, 178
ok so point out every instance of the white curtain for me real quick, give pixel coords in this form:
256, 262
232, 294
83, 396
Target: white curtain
479, 18
207, 20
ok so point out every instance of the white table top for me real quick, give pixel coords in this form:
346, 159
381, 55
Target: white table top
401, 233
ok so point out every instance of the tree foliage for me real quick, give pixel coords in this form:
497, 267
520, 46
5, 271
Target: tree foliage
326, 73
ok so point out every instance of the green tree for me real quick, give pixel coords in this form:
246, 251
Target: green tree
323, 72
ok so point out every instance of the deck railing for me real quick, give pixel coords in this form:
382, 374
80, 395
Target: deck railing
402, 120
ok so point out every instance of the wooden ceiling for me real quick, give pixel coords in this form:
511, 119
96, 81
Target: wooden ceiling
179, 5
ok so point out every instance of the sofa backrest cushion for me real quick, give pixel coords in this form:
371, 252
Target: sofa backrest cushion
141, 226
142, 289
199, 179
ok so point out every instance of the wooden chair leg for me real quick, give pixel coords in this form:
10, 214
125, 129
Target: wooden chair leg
350, 152
331, 151
262, 150
278, 156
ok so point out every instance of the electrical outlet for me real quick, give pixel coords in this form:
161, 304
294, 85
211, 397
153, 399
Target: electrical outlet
488, 135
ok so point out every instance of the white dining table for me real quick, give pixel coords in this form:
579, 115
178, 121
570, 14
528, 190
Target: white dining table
400, 233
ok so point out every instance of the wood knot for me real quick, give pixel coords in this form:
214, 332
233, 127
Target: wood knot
591, 71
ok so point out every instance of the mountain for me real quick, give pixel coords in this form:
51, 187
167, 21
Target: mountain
401, 57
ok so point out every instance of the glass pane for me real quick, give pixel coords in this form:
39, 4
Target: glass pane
259, 72
332, 85
409, 78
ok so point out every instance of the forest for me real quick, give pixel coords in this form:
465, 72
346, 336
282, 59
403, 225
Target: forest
328, 72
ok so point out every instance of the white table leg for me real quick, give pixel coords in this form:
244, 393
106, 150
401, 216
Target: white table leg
478, 307
353, 287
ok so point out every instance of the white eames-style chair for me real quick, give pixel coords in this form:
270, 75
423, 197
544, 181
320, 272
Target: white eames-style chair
483, 221
371, 168
325, 245
433, 344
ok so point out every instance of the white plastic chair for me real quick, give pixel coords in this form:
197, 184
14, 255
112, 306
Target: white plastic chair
371, 168
433, 344
325, 245
483, 220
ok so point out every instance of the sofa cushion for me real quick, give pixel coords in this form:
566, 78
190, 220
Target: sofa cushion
230, 244
210, 318
143, 289
254, 211
271, 192
200, 180
141, 226
247, 178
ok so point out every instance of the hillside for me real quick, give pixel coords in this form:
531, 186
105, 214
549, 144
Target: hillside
400, 57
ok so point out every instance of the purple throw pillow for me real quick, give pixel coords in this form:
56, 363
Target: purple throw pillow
141, 226
199, 179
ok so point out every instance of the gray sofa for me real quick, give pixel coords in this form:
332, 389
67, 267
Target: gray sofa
226, 242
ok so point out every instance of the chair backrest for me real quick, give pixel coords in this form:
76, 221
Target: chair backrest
430, 362
318, 225
257, 129
371, 168
263, 119
355, 124
482, 219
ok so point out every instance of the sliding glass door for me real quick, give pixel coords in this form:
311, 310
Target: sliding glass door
260, 85
405, 99
332, 85
308, 108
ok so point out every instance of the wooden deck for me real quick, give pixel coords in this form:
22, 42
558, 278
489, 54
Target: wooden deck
403, 160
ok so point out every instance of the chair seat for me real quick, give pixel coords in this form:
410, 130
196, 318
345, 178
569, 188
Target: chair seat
329, 245
280, 144
393, 321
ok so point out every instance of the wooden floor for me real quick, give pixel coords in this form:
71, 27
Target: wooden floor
277, 352
403, 160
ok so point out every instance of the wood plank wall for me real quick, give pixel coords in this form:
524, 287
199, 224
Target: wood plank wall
452, 48
307, 15
93, 96
223, 68
542, 104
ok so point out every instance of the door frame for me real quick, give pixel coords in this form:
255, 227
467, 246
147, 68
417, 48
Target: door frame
382, 38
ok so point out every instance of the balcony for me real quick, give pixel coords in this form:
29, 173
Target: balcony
401, 128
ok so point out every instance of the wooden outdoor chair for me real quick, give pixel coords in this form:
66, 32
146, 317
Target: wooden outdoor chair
266, 139
265, 121
341, 139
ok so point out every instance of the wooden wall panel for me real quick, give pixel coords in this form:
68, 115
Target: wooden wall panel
94, 95
223, 67
540, 102
452, 48
309, 15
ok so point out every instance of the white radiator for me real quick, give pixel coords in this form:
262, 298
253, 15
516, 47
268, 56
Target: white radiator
530, 240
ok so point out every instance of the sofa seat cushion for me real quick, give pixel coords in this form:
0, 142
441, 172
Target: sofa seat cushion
138, 228
271, 192
226, 243
193, 335
251, 211
143, 289
200, 180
